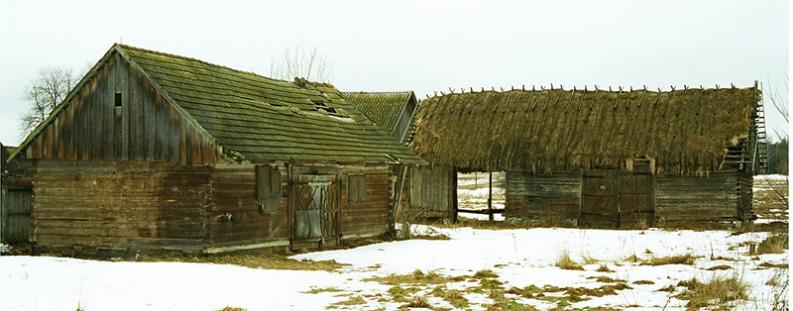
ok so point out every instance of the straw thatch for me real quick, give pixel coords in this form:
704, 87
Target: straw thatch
683, 131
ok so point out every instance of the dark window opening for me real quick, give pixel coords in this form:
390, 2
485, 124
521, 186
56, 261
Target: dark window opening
118, 99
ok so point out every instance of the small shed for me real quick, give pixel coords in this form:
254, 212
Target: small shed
158, 152
605, 158
426, 194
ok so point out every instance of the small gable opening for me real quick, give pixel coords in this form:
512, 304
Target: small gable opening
268, 188
117, 100
356, 188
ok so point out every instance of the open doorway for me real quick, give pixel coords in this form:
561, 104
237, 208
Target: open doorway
481, 195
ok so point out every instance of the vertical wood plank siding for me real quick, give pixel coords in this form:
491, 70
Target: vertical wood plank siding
145, 127
428, 190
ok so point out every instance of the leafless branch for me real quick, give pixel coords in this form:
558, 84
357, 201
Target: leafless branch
301, 62
44, 93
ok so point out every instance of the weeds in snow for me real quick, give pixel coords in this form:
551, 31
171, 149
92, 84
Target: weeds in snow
452, 296
768, 265
567, 263
227, 308
686, 259
643, 282
417, 277
604, 268
352, 301
716, 291
261, 261
719, 267
774, 244
317, 290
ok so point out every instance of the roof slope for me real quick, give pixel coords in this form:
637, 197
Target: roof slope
684, 131
265, 119
383, 108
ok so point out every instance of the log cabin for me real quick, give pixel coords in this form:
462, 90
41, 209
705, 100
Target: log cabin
602, 158
15, 199
425, 189
155, 152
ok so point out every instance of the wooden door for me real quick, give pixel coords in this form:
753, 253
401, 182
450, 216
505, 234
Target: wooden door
635, 200
599, 204
315, 213
17, 205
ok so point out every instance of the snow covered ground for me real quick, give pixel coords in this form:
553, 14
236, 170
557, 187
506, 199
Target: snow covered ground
519, 258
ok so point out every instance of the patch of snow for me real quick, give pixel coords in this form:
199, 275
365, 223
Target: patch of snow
770, 177
4, 248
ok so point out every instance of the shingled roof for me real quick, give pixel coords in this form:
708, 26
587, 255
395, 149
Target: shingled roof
683, 131
383, 108
262, 119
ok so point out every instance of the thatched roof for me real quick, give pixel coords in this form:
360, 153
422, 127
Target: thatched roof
683, 131
386, 109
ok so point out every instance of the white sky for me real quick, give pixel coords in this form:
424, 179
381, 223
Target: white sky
416, 44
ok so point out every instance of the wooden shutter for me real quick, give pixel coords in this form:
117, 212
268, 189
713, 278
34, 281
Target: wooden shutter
268, 188
356, 188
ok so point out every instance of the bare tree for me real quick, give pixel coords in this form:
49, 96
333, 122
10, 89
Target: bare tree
44, 93
303, 62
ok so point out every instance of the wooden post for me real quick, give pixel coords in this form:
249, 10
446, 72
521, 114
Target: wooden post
490, 196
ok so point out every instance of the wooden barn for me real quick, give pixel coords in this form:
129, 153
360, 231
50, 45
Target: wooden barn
425, 194
157, 152
598, 158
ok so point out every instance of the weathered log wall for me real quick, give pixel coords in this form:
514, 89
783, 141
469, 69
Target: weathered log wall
373, 216
143, 127
683, 199
235, 218
91, 207
554, 197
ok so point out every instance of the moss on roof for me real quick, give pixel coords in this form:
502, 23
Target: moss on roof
684, 131
383, 108
267, 119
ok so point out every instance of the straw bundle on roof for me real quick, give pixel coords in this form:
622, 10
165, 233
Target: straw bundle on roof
683, 131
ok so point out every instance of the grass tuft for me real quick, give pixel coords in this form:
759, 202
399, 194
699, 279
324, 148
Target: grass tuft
719, 267
686, 259
773, 244
605, 279
417, 277
316, 290
643, 282
604, 268
453, 297
226, 308
417, 302
484, 274
717, 290
260, 261
352, 301
567, 263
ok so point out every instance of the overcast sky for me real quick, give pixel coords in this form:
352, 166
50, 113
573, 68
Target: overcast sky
415, 45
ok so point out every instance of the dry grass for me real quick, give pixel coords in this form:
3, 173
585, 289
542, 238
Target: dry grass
452, 296
484, 274
719, 267
417, 277
417, 302
567, 263
767, 265
352, 301
317, 290
643, 282
774, 244
227, 308
261, 261
716, 291
605, 279
685, 259
604, 268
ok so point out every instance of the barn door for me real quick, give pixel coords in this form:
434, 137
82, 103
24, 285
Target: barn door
635, 200
16, 216
315, 212
599, 201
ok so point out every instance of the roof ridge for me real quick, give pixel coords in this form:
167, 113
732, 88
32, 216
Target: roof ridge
127, 46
